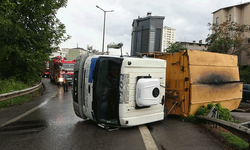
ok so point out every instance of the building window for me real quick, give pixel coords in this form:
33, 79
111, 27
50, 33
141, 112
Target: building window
230, 18
217, 20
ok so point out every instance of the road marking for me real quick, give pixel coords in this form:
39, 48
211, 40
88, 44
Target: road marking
147, 138
30, 111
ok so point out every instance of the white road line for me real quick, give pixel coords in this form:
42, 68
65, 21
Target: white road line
30, 111
147, 138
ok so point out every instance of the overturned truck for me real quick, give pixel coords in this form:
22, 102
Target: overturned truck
117, 91
196, 78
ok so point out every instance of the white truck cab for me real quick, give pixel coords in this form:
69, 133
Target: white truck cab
119, 91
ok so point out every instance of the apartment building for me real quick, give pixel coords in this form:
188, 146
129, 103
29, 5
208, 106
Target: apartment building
238, 13
146, 34
168, 36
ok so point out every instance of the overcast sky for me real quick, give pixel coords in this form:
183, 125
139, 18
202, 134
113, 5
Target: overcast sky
84, 21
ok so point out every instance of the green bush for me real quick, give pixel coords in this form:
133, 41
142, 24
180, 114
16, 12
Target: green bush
224, 113
189, 118
10, 84
203, 111
210, 105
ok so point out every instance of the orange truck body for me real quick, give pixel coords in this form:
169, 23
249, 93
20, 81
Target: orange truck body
195, 78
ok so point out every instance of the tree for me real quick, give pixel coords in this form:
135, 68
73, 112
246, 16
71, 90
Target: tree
173, 48
244, 74
228, 38
29, 31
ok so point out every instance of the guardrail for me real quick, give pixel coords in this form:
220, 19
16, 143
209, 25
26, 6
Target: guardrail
237, 129
14, 94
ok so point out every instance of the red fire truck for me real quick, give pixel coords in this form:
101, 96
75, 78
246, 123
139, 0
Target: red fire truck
46, 70
57, 67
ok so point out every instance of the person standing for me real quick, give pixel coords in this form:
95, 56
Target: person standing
65, 82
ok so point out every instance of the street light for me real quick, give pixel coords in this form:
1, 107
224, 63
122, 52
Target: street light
104, 25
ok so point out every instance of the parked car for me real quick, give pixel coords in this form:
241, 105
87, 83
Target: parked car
246, 92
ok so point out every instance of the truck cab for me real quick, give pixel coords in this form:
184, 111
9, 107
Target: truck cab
69, 66
119, 91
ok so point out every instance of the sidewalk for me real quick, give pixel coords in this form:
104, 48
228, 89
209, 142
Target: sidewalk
7, 114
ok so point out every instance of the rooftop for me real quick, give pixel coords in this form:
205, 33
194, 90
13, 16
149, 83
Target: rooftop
246, 3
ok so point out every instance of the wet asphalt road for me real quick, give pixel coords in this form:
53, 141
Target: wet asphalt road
53, 125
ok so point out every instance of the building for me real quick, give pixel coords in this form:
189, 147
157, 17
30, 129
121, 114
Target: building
237, 13
146, 34
56, 53
168, 36
193, 45
66, 50
74, 52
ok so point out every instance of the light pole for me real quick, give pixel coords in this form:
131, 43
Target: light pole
104, 25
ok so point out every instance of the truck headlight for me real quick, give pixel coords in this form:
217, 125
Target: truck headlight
60, 79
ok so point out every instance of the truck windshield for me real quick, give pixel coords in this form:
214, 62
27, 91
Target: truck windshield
106, 89
69, 67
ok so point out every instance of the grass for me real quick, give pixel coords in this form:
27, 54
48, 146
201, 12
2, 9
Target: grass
21, 99
236, 121
235, 141
8, 85
16, 101
11, 84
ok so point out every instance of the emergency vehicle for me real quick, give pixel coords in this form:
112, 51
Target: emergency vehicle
46, 70
57, 67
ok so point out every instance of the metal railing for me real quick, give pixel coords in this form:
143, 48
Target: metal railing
14, 94
237, 129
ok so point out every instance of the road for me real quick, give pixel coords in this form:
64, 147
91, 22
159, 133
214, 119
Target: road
242, 116
49, 122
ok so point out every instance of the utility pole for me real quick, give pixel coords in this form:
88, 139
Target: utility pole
104, 25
